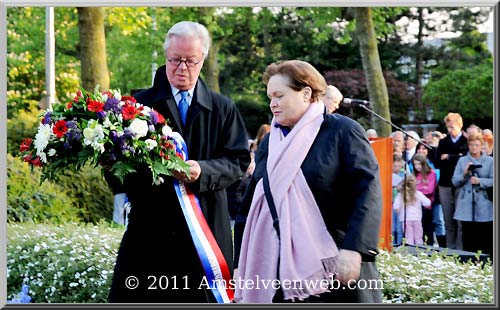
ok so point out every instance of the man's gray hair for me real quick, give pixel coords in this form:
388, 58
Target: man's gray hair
187, 29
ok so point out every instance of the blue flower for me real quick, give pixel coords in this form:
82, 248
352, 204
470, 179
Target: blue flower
154, 117
46, 118
112, 105
22, 297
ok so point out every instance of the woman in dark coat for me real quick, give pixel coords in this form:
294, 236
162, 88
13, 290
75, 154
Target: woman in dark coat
340, 170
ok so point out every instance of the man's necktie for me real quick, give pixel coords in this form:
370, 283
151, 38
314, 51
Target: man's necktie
183, 106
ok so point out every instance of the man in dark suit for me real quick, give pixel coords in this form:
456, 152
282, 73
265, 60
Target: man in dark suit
157, 247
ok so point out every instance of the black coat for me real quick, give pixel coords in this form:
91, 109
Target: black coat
343, 174
157, 241
455, 150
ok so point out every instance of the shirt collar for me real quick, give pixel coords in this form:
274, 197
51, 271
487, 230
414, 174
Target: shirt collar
456, 139
175, 91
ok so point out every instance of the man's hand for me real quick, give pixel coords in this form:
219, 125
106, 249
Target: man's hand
348, 266
194, 172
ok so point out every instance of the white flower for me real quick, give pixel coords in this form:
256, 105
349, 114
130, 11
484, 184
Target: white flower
145, 109
42, 137
139, 128
108, 124
150, 144
166, 130
88, 135
36, 248
104, 97
51, 152
93, 133
43, 156
98, 146
117, 95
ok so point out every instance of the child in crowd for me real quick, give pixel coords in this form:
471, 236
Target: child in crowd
408, 204
426, 183
397, 178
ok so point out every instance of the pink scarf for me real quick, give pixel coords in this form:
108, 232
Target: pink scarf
306, 251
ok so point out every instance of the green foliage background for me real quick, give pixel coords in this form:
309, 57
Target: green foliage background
247, 40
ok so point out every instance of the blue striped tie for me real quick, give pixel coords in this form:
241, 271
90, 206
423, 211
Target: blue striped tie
183, 106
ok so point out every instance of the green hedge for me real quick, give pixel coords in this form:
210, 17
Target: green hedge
73, 263
28, 201
74, 196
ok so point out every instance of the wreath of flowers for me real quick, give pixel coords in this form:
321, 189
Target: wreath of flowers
106, 129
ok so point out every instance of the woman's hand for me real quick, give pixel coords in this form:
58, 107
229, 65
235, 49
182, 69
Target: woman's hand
474, 180
348, 266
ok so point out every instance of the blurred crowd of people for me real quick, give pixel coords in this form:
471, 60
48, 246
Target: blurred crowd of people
442, 187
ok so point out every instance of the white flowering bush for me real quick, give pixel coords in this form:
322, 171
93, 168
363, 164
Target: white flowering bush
434, 278
73, 263
70, 263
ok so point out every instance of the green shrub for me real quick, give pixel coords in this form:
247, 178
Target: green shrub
90, 193
23, 124
74, 196
70, 263
28, 201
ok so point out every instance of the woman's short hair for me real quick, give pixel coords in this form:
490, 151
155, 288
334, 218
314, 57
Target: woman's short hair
454, 118
488, 138
300, 74
187, 29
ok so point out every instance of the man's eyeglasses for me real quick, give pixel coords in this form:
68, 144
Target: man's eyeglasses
189, 62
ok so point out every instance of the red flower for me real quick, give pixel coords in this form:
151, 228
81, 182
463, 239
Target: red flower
129, 112
25, 145
169, 145
60, 128
27, 158
69, 105
36, 162
95, 106
108, 93
161, 119
128, 99
79, 93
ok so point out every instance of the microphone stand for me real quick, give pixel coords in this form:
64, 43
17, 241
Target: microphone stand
393, 125
404, 155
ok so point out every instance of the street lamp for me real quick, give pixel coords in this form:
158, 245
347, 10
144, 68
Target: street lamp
411, 115
429, 114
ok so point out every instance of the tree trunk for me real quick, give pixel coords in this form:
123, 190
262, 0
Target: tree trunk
377, 89
419, 65
94, 67
211, 67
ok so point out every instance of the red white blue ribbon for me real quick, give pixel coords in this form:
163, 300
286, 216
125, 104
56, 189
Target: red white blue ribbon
213, 262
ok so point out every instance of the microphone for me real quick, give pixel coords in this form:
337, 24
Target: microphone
348, 102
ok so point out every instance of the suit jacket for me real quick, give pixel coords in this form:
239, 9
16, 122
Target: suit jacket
215, 136
343, 174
